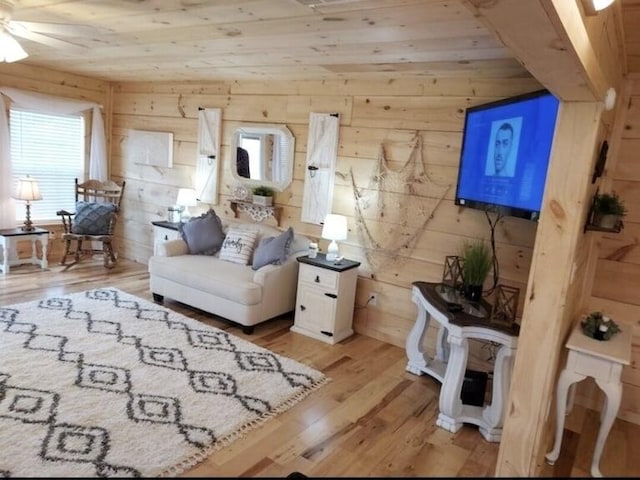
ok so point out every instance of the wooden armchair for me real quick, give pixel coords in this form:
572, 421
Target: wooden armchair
97, 207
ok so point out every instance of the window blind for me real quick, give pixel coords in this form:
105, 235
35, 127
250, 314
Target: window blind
49, 148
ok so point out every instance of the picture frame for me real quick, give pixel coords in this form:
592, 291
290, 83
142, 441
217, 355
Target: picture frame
151, 148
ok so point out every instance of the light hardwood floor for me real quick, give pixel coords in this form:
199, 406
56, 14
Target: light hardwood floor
372, 420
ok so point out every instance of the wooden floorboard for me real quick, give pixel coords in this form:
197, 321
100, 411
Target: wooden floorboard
373, 419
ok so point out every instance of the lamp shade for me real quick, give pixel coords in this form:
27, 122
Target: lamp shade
601, 4
592, 7
335, 227
187, 197
10, 49
27, 189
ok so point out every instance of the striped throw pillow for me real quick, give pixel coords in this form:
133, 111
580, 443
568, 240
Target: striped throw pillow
238, 246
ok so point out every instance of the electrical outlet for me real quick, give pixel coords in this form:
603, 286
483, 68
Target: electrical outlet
373, 299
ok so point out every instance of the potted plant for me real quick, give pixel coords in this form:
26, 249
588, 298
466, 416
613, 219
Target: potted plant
608, 210
476, 263
263, 196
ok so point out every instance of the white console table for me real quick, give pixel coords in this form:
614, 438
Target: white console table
450, 362
603, 361
8, 242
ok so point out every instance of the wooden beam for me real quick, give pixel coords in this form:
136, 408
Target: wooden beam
551, 41
551, 296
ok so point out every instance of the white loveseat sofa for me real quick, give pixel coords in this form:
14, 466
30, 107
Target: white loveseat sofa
230, 290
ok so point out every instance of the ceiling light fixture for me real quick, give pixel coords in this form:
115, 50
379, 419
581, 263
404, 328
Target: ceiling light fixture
10, 49
592, 7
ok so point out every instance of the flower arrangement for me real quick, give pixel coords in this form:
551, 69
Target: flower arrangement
598, 326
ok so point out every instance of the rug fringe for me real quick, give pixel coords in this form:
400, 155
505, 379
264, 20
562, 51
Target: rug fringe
228, 439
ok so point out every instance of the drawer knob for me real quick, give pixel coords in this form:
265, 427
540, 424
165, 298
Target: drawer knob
302, 308
166, 237
317, 280
331, 295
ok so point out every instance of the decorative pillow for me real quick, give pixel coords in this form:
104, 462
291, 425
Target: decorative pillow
273, 250
203, 234
92, 218
238, 246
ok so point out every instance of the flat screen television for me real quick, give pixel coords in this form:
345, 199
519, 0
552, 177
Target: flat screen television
505, 154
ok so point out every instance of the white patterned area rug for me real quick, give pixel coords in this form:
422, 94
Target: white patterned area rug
105, 384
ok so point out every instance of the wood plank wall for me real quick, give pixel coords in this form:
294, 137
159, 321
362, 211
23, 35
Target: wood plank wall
51, 82
617, 272
371, 113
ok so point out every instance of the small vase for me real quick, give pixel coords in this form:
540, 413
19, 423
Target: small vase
473, 293
606, 221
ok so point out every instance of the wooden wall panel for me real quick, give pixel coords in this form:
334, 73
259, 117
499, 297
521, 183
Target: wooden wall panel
51, 82
616, 277
385, 112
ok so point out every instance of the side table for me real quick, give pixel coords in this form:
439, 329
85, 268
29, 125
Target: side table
164, 231
325, 298
603, 361
452, 349
8, 242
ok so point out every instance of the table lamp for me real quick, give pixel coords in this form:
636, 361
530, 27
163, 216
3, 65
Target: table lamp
334, 228
27, 189
186, 198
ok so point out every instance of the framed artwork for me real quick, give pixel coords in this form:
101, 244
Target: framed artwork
151, 148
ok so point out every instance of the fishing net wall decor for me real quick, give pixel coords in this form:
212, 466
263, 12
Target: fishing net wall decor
394, 208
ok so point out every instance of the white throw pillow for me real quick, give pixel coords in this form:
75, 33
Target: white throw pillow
238, 246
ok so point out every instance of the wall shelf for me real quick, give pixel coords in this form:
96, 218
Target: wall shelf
597, 228
258, 213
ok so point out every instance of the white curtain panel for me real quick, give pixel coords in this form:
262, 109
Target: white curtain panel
7, 207
98, 168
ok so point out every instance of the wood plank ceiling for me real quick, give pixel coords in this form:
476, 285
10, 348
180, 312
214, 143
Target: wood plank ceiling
127, 40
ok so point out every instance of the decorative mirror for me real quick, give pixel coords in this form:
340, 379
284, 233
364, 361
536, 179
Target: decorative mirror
262, 154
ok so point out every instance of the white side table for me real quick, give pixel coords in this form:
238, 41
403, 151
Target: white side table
325, 298
450, 362
163, 232
9, 239
603, 361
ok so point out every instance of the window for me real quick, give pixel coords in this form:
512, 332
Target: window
51, 149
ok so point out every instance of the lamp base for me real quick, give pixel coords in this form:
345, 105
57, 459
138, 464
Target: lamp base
28, 224
185, 215
332, 251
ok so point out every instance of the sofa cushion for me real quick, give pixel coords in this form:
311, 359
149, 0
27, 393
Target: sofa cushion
92, 218
203, 234
273, 250
238, 245
208, 274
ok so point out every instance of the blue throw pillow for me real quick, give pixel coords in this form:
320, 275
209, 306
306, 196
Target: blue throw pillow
272, 250
203, 234
92, 218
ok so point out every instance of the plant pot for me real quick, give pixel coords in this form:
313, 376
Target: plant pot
262, 200
473, 293
606, 220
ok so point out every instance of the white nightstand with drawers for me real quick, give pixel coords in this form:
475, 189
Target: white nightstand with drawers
163, 232
325, 298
